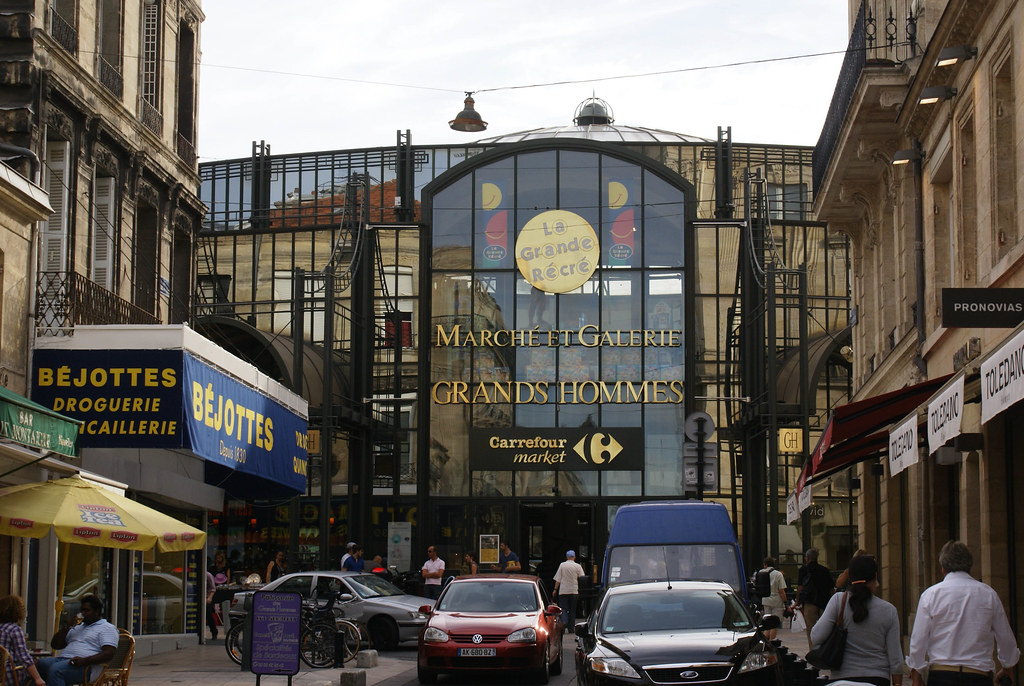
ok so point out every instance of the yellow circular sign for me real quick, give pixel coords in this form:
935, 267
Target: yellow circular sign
557, 251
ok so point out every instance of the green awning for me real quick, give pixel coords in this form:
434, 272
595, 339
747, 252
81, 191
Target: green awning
34, 426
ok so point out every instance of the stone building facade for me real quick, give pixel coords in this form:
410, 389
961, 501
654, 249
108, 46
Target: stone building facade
945, 97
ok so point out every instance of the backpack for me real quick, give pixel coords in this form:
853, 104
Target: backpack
763, 583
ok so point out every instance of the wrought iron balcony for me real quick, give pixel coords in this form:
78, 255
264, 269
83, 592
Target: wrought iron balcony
64, 32
897, 43
110, 77
68, 299
186, 151
152, 119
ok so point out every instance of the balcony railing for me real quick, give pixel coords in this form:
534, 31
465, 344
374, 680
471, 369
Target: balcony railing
64, 33
186, 151
68, 299
885, 32
152, 119
110, 77
849, 76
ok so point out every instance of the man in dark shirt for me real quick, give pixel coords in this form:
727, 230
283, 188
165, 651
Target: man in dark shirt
814, 588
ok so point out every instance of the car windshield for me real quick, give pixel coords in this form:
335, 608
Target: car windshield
372, 586
707, 562
489, 596
671, 609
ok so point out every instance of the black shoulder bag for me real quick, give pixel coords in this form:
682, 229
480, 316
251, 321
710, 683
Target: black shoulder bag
829, 655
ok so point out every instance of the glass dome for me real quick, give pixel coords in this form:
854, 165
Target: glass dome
594, 120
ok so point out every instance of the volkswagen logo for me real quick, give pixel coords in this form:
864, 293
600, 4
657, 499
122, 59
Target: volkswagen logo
477, 638
689, 674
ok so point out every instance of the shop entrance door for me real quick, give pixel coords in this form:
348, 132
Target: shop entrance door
550, 529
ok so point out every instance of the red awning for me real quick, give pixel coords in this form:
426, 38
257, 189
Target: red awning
857, 431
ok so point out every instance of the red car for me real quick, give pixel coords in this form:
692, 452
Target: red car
491, 622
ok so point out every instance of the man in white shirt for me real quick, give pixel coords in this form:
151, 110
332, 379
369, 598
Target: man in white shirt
567, 588
775, 602
958, 620
348, 553
432, 572
84, 647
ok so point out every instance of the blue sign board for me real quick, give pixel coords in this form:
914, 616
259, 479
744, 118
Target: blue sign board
272, 633
172, 399
233, 425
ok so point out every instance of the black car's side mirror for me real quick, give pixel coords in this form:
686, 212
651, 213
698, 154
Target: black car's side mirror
582, 628
770, 622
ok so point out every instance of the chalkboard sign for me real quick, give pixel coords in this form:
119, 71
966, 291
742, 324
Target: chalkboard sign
272, 633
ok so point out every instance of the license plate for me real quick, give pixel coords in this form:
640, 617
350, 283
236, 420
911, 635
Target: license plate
477, 652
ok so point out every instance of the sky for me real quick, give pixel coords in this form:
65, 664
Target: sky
307, 76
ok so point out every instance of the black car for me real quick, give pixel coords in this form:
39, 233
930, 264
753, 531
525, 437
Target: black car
679, 632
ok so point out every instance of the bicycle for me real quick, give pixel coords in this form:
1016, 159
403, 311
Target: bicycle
320, 633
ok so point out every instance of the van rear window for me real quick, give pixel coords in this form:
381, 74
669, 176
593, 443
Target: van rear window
704, 562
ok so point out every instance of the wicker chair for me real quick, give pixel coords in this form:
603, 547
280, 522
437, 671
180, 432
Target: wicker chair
117, 671
18, 670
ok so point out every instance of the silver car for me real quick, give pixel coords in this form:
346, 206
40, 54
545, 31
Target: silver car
390, 615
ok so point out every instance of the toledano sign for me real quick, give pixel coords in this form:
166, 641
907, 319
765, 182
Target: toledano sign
576, 449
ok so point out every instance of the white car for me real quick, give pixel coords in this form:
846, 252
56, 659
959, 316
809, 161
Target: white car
390, 615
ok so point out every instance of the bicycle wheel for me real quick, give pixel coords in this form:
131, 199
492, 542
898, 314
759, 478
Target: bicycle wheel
233, 642
352, 637
316, 645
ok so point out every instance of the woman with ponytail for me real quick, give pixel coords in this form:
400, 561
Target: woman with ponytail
873, 651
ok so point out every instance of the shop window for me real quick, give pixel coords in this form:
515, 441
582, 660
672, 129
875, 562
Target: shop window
162, 593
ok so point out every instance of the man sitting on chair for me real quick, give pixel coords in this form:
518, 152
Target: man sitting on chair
85, 646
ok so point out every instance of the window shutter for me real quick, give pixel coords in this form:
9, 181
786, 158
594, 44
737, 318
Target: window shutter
55, 229
103, 231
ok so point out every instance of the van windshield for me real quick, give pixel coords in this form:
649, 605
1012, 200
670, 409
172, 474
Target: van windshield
704, 562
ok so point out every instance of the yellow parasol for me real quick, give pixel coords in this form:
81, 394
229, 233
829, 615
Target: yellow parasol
80, 511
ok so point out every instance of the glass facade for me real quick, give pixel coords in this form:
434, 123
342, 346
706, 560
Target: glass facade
525, 342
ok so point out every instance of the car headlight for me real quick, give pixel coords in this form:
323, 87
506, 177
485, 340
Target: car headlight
528, 635
413, 614
432, 635
614, 666
758, 660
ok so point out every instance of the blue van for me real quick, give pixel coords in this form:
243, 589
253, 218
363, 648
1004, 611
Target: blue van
674, 540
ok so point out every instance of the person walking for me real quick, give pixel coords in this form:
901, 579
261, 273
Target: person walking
470, 563
814, 588
278, 567
567, 588
958, 623
355, 563
211, 607
348, 552
84, 647
873, 652
432, 572
774, 602
508, 561
12, 637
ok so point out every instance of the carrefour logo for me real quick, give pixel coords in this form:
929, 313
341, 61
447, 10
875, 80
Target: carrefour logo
598, 448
